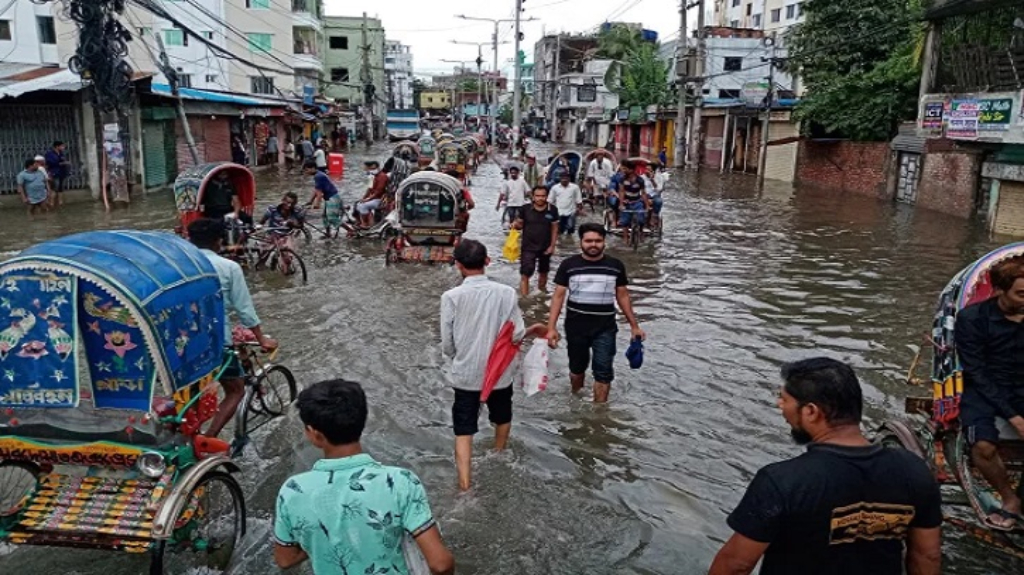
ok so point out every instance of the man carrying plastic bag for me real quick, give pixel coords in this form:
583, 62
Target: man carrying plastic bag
479, 320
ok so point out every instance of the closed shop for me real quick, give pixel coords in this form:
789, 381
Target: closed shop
713, 141
1009, 218
159, 151
30, 130
780, 164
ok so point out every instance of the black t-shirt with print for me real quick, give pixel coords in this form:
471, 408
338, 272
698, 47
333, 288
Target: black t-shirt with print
838, 510
537, 227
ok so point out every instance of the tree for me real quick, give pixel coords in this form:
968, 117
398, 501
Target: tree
858, 61
640, 78
618, 41
418, 86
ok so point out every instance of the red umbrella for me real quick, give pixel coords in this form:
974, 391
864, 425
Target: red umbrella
502, 354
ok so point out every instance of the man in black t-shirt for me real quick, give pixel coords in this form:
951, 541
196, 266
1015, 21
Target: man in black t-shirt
846, 506
589, 285
539, 224
220, 197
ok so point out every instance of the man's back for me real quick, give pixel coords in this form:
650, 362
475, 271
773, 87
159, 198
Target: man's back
838, 510
351, 514
471, 318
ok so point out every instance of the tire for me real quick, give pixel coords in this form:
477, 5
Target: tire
635, 232
278, 390
17, 480
298, 267
206, 552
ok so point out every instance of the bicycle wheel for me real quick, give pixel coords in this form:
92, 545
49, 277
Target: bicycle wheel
275, 390
289, 263
17, 481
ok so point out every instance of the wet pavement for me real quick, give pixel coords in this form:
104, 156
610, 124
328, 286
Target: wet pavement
742, 281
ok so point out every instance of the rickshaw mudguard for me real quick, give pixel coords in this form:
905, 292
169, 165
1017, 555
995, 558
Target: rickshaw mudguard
174, 503
906, 436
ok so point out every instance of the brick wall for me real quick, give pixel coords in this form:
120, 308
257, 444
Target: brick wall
949, 182
857, 167
217, 134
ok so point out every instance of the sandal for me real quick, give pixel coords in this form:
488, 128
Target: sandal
1004, 514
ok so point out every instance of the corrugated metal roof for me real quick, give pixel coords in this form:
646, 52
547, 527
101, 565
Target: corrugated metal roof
62, 80
207, 96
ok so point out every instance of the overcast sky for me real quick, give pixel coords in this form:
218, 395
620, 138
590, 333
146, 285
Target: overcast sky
430, 26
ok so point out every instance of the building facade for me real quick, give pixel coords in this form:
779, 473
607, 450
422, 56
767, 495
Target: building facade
766, 15
398, 74
344, 61
28, 34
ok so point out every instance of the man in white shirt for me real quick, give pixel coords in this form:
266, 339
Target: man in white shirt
514, 191
321, 159
568, 200
472, 316
600, 172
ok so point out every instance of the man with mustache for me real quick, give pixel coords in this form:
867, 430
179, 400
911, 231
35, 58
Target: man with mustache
846, 506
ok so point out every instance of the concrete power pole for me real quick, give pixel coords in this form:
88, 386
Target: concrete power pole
517, 115
682, 51
693, 147
762, 157
366, 76
554, 88
164, 64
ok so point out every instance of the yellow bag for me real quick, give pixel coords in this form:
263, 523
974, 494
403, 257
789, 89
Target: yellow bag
512, 250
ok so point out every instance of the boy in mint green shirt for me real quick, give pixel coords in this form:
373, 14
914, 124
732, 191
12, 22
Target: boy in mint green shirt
350, 514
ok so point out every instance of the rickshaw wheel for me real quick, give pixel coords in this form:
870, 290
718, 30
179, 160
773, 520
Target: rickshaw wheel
18, 480
206, 543
270, 397
289, 263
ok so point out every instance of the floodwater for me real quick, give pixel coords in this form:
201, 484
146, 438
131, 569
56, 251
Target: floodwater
742, 281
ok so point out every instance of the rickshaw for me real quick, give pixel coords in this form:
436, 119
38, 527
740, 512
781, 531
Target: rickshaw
575, 160
471, 145
430, 219
191, 183
933, 429
481, 147
407, 151
590, 195
428, 145
445, 138
109, 365
452, 156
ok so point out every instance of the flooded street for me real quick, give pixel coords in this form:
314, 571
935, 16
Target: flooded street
742, 281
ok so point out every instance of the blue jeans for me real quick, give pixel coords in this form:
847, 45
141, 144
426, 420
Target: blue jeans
656, 204
633, 209
582, 340
567, 224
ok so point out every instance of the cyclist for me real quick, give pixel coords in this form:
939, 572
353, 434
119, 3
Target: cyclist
285, 217
633, 197
207, 235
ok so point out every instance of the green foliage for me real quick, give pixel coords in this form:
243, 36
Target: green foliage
858, 61
636, 73
617, 42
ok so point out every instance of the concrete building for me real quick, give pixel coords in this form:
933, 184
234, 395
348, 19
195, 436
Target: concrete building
553, 56
398, 74
28, 34
343, 61
434, 101
585, 105
766, 15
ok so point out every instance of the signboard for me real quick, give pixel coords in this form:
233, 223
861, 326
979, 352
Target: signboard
962, 119
995, 114
933, 113
754, 94
307, 95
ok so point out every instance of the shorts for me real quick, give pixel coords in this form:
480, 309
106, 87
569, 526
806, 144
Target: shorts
231, 366
591, 345
982, 422
466, 409
534, 261
512, 213
366, 207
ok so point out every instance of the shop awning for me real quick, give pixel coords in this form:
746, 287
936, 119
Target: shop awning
39, 79
219, 97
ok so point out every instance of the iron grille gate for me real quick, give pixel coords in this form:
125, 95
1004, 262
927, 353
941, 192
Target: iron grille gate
30, 130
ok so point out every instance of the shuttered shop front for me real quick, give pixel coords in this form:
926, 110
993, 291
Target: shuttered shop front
159, 149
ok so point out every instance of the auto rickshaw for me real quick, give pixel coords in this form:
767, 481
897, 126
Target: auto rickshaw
431, 206
114, 339
932, 430
190, 185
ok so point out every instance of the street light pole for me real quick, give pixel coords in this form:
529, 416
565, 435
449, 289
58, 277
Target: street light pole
517, 116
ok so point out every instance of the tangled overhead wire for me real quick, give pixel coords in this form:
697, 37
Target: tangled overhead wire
102, 49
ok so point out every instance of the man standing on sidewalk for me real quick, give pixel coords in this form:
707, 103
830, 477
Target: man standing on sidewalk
592, 283
472, 316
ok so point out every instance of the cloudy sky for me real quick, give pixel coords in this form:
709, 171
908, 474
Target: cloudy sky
430, 26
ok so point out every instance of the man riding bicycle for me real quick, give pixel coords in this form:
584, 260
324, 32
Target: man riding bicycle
207, 235
633, 197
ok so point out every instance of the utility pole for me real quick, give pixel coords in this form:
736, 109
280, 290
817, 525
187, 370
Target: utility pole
682, 51
366, 77
554, 88
769, 99
164, 63
479, 83
517, 115
693, 147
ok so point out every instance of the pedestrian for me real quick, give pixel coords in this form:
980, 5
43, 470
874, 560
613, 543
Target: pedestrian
325, 191
289, 154
539, 224
57, 166
532, 172
34, 186
663, 156
336, 138
568, 200
237, 151
846, 506
513, 192
349, 505
307, 149
320, 157
472, 316
272, 150
589, 285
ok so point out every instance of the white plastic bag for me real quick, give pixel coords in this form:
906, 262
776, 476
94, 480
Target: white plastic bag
535, 368
414, 558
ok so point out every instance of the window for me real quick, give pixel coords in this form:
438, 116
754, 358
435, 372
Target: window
260, 42
728, 94
733, 64
734, 24
339, 42
5, 29
389, 60
145, 32
586, 93
184, 80
339, 74
799, 9
261, 84
790, 11
757, 20
735, 3
776, 14
47, 33
175, 37
211, 79
257, 4
750, 8
208, 35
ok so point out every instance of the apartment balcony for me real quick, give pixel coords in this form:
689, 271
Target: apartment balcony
306, 14
306, 49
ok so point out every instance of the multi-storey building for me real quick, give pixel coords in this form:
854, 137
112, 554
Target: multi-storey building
28, 34
767, 15
398, 74
345, 58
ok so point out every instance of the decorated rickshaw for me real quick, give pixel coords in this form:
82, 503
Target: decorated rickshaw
574, 161
191, 184
452, 156
407, 151
933, 429
471, 145
590, 193
113, 340
445, 138
427, 145
430, 210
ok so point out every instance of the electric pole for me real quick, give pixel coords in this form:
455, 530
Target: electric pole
554, 88
769, 100
369, 90
693, 147
164, 63
517, 115
682, 51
